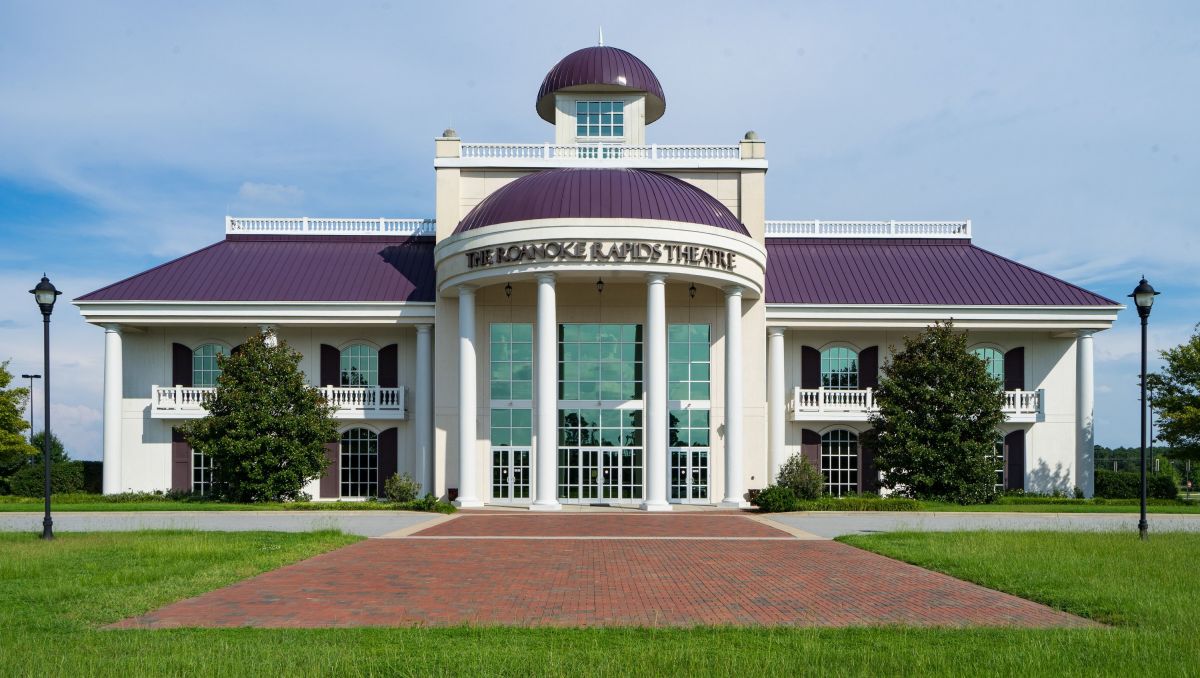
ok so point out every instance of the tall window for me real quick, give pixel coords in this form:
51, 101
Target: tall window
512, 361
997, 459
359, 466
512, 434
839, 368
360, 366
599, 119
202, 475
994, 360
599, 362
839, 462
688, 366
204, 365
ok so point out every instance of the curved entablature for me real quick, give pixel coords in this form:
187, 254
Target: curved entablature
614, 249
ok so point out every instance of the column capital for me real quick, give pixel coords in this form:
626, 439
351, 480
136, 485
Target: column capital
467, 289
733, 291
112, 327
1085, 334
656, 278
547, 278
424, 328
775, 330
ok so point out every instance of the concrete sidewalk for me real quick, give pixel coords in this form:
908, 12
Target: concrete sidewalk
830, 524
363, 523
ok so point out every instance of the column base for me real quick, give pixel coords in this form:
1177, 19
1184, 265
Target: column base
548, 506
735, 503
468, 502
655, 506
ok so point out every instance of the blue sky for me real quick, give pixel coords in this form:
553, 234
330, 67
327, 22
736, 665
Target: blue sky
1067, 131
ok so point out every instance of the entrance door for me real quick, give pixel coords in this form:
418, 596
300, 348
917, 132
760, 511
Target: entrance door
510, 473
599, 475
689, 475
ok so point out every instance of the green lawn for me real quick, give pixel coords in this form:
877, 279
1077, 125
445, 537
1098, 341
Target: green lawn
1067, 506
55, 596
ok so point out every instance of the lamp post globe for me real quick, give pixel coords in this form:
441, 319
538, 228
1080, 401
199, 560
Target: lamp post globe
45, 294
1143, 297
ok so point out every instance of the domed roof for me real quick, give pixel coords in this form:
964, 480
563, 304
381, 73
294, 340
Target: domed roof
600, 194
608, 66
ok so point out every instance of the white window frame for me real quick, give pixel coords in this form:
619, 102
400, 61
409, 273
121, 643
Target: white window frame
585, 138
854, 375
849, 477
216, 370
371, 360
372, 484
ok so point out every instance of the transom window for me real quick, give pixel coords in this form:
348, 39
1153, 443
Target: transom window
359, 467
596, 427
994, 360
689, 428
688, 365
512, 361
360, 366
599, 362
839, 462
205, 369
202, 475
600, 119
512, 428
839, 368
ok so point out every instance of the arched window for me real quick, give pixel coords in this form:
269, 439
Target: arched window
360, 366
839, 368
204, 365
994, 360
359, 466
839, 462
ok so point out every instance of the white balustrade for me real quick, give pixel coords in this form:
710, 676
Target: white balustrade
868, 229
812, 404
600, 151
324, 226
349, 402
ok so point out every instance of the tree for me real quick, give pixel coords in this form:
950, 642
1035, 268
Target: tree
936, 425
57, 452
801, 477
266, 429
15, 452
1177, 398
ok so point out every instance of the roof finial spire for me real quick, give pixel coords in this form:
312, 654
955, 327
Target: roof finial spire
602, 36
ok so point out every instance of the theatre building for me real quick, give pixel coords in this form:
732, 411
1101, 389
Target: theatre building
593, 318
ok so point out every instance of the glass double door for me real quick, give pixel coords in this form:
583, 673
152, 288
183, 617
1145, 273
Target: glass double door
689, 475
510, 473
599, 474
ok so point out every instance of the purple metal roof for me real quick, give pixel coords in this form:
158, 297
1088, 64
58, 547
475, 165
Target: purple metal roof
600, 194
602, 66
288, 268
917, 271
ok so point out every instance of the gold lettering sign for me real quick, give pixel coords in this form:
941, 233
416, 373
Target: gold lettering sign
623, 252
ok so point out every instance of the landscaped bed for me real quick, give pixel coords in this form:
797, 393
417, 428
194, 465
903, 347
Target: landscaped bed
54, 597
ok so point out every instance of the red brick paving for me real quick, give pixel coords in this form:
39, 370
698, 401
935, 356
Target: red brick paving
602, 525
601, 582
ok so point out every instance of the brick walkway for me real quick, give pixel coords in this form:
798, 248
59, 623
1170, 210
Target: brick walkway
487, 570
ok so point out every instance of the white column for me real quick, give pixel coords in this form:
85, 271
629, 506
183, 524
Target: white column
654, 373
546, 397
733, 399
776, 406
113, 403
468, 475
1085, 437
423, 407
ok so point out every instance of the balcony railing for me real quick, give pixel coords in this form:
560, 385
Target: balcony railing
349, 402
600, 151
828, 404
868, 229
323, 226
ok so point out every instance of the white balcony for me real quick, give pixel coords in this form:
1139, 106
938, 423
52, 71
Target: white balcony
822, 404
660, 156
816, 228
325, 226
350, 402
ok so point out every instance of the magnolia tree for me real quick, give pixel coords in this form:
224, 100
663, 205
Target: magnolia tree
1177, 398
266, 429
936, 425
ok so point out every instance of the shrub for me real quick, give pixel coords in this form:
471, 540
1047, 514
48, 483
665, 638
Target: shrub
401, 488
776, 499
859, 503
1128, 485
64, 477
801, 477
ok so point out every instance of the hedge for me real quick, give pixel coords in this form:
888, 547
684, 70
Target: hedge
64, 477
1128, 484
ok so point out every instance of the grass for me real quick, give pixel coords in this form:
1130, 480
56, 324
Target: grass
55, 596
157, 502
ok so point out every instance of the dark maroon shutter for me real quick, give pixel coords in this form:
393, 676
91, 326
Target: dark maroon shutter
389, 366
1014, 460
330, 482
868, 367
868, 476
181, 365
810, 446
389, 442
181, 462
1014, 369
810, 367
331, 366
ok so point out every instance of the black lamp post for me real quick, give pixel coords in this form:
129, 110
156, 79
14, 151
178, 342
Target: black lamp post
1143, 297
46, 294
31, 377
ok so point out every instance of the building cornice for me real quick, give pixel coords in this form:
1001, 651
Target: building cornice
1050, 318
140, 313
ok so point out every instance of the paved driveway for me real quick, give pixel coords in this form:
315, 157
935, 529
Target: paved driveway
602, 570
829, 524
362, 523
